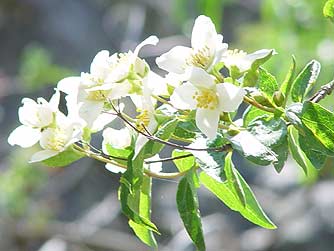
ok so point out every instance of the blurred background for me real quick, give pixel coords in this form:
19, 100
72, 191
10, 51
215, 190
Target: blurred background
76, 208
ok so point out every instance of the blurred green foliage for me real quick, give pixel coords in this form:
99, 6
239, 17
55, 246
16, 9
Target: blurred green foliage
292, 27
18, 182
37, 68
329, 10
185, 10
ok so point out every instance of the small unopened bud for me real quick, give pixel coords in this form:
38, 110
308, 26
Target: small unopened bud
278, 98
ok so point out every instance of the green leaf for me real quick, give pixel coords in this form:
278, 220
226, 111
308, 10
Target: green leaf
267, 83
185, 130
305, 80
297, 153
314, 151
233, 179
183, 164
287, 83
252, 211
272, 132
252, 75
144, 210
187, 205
151, 148
252, 113
121, 153
320, 122
210, 161
328, 10
64, 158
253, 149
129, 194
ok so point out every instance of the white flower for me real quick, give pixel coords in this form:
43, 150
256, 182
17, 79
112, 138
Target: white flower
207, 49
243, 61
145, 120
34, 116
208, 98
55, 140
108, 80
119, 139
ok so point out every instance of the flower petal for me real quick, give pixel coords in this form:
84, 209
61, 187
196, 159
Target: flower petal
69, 85
204, 34
54, 100
100, 64
90, 110
182, 97
230, 96
174, 60
153, 40
259, 54
156, 83
154, 167
120, 90
102, 120
207, 121
114, 169
117, 138
200, 78
42, 155
24, 136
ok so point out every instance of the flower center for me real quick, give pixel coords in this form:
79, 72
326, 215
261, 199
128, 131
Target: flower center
200, 58
143, 119
206, 99
56, 140
99, 95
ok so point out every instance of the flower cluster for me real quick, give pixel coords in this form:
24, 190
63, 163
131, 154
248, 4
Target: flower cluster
93, 97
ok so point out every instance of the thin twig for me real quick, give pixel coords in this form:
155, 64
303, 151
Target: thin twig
109, 161
323, 92
154, 138
168, 159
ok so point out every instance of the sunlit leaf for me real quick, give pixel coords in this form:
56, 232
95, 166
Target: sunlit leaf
187, 205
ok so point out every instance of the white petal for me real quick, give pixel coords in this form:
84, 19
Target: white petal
204, 34
141, 139
90, 110
120, 90
69, 85
182, 97
207, 121
24, 136
117, 138
114, 169
200, 78
156, 83
54, 101
153, 40
154, 167
102, 120
230, 96
259, 54
174, 60
42, 155
140, 142
100, 63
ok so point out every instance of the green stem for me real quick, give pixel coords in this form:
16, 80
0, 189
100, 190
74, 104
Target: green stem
252, 102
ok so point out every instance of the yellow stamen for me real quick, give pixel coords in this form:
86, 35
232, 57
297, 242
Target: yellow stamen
206, 99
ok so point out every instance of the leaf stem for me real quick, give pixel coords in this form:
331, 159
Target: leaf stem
252, 102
